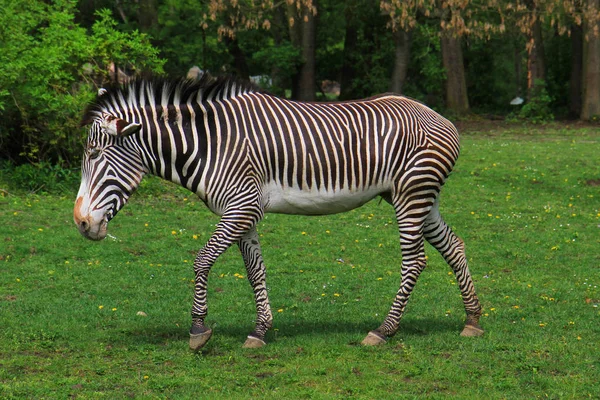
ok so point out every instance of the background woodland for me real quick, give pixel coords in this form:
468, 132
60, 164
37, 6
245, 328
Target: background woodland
463, 58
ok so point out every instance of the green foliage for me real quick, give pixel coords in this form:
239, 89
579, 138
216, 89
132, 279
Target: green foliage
537, 109
48, 70
426, 73
54, 55
182, 41
284, 57
491, 80
368, 59
523, 200
126, 49
40, 177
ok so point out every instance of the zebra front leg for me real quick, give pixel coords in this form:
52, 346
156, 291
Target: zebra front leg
216, 245
410, 225
440, 236
255, 267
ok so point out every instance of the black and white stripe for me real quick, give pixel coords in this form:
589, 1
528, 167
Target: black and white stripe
245, 152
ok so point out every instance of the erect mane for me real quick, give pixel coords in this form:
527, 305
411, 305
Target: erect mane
157, 91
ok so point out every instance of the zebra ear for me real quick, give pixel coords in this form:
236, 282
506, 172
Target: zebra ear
120, 127
130, 129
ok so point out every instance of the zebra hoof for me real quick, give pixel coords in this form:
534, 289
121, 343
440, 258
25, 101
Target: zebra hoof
373, 339
471, 331
198, 340
253, 343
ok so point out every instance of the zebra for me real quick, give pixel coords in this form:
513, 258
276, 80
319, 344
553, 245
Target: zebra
245, 152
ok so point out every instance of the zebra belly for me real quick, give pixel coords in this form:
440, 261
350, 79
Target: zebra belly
315, 202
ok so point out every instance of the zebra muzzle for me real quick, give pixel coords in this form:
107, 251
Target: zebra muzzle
92, 230
90, 227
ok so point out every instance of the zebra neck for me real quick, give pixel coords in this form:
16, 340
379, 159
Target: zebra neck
174, 145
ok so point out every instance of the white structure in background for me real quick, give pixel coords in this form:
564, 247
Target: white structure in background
517, 101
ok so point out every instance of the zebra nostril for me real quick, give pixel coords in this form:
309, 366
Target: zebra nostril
84, 226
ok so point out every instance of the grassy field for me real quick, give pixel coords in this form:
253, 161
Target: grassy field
110, 319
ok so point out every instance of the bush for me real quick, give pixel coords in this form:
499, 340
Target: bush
39, 178
49, 70
537, 109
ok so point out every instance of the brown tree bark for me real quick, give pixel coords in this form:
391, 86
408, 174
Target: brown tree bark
401, 60
303, 35
240, 65
536, 60
280, 32
590, 106
576, 71
457, 100
348, 73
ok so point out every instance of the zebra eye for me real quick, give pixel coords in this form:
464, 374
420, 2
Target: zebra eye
94, 153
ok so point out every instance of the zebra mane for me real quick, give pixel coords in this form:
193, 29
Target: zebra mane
156, 91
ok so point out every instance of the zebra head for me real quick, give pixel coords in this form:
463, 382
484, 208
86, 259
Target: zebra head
111, 170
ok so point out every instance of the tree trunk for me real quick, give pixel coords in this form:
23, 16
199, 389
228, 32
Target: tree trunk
457, 100
401, 60
303, 35
240, 65
147, 15
536, 62
576, 71
590, 107
280, 77
348, 73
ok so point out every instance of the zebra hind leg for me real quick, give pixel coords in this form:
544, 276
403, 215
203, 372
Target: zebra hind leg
255, 267
452, 248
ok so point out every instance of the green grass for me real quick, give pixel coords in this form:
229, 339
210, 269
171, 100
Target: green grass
526, 203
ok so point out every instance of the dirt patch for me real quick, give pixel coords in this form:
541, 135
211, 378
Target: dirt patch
593, 182
498, 125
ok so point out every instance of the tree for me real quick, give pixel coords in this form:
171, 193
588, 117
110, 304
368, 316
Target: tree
456, 82
303, 26
147, 15
50, 68
234, 16
360, 25
565, 17
452, 57
402, 40
449, 13
576, 75
590, 107
536, 60
402, 19
483, 18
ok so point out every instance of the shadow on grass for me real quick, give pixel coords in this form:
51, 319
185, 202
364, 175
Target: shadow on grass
299, 327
